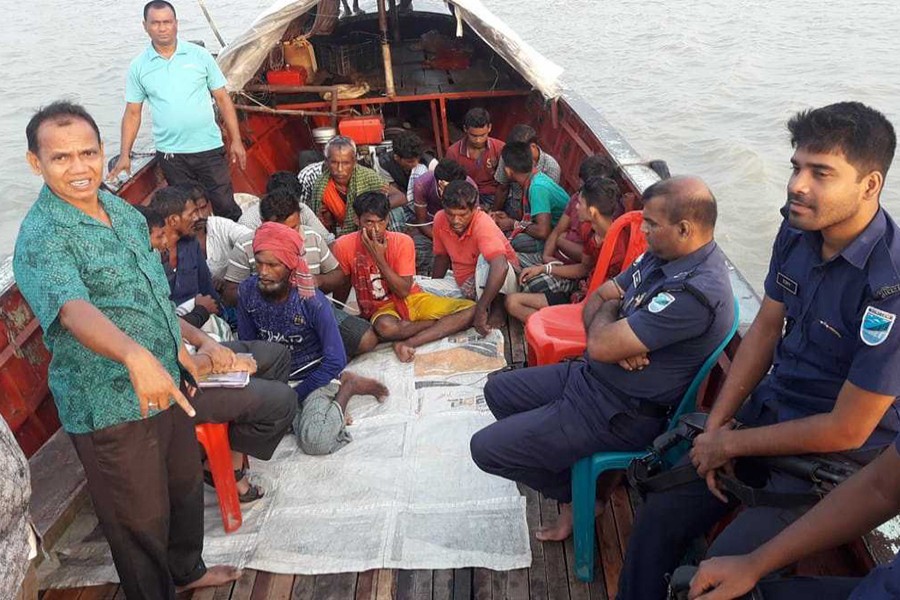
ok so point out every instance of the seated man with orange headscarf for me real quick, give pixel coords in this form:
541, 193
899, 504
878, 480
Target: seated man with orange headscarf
280, 303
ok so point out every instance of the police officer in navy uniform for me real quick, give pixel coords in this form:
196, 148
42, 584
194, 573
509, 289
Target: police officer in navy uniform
649, 330
870, 496
821, 353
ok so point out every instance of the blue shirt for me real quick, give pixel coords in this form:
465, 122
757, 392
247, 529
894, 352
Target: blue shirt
62, 254
307, 327
680, 310
178, 90
191, 276
839, 317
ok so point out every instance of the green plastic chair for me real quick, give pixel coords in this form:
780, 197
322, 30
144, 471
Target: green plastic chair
588, 469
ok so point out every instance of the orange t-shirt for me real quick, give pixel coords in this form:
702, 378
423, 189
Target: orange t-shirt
372, 291
482, 237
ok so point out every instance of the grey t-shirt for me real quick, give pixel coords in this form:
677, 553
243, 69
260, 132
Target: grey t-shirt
242, 264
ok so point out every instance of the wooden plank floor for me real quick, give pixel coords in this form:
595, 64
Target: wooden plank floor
549, 578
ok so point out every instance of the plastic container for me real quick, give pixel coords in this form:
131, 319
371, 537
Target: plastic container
363, 130
298, 52
321, 135
287, 76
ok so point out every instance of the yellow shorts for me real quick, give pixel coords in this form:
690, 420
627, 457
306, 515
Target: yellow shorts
426, 307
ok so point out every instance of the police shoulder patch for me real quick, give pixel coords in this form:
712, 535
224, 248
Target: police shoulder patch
876, 325
660, 302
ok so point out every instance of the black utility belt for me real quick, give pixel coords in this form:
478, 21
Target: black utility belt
652, 472
654, 409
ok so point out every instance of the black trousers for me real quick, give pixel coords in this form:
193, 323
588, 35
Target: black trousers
145, 482
259, 414
207, 169
808, 588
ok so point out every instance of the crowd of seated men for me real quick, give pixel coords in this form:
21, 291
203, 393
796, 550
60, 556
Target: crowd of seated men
516, 242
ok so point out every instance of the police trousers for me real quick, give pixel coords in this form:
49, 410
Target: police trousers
668, 522
208, 170
146, 485
547, 419
259, 414
808, 588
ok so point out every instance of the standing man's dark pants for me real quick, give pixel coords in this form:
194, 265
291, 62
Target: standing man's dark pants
260, 413
667, 523
547, 419
207, 169
146, 485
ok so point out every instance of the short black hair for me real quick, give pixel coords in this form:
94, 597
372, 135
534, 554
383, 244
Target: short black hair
376, 203
153, 218
696, 208
61, 113
522, 133
460, 194
170, 200
308, 157
284, 179
862, 134
596, 165
448, 169
278, 204
157, 4
601, 193
407, 145
517, 156
476, 117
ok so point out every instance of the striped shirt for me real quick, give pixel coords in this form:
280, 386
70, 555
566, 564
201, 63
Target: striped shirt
242, 264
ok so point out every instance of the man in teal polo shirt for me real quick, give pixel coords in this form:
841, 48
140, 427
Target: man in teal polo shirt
178, 78
83, 262
543, 202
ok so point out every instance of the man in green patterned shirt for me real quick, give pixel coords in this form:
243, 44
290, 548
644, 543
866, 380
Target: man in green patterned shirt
341, 181
84, 264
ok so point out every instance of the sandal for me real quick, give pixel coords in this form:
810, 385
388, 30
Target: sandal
253, 494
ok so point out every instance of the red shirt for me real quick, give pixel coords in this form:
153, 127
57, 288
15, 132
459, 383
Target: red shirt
372, 291
481, 170
481, 237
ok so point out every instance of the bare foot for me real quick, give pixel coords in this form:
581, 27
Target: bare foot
348, 420
561, 530
214, 577
363, 386
404, 353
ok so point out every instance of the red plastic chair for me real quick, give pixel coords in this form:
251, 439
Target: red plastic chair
214, 439
555, 333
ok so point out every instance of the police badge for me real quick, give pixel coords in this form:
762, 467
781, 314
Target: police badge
876, 325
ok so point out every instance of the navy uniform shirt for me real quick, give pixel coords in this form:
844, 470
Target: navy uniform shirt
839, 322
680, 310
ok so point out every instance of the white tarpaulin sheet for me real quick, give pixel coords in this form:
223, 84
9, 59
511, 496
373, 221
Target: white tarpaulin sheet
404, 494
242, 57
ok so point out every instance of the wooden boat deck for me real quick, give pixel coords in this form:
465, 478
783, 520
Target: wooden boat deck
550, 577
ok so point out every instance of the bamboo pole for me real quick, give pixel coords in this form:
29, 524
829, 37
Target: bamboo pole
386, 50
209, 19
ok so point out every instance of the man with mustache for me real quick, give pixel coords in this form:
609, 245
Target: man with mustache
282, 304
819, 361
180, 81
483, 262
83, 262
